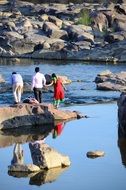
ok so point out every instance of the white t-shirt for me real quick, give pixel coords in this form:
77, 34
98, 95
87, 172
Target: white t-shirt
38, 80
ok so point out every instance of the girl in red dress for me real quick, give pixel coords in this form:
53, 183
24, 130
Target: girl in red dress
58, 90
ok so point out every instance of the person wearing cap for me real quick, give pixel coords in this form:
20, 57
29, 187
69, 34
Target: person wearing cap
38, 82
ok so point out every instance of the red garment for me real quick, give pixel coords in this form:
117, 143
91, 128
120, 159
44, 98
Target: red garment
58, 90
59, 128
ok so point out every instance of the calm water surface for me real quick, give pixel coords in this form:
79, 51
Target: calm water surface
98, 132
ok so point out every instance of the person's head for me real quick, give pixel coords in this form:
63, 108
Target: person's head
13, 73
37, 69
54, 76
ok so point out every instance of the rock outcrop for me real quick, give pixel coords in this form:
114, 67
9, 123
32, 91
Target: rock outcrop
69, 31
122, 115
111, 81
32, 115
122, 127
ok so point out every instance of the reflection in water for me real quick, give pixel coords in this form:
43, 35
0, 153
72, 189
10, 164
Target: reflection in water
37, 156
24, 134
58, 129
122, 143
40, 178
17, 155
39, 150
46, 176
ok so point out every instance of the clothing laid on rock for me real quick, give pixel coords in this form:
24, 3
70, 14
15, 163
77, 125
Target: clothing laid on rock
17, 85
38, 82
30, 100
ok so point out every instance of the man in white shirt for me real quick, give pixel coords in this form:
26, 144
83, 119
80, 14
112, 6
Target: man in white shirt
38, 82
17, 85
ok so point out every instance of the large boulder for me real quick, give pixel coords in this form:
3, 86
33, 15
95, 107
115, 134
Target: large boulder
31, 115
80, 33
53, 31
122, 115
111, 81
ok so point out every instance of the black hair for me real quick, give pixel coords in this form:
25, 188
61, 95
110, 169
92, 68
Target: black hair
13, 73
54, 75
37, 69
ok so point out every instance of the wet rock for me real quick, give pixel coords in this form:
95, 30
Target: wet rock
95, 154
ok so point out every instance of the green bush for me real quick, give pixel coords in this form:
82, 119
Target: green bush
84, 18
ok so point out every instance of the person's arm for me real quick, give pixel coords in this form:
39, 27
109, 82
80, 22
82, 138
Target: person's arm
33, 82
44, 81
49, 84
64, 87
11, 80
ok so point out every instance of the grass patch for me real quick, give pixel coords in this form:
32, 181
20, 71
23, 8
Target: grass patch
85, 18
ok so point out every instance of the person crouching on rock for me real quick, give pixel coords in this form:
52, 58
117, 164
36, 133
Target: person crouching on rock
17, 85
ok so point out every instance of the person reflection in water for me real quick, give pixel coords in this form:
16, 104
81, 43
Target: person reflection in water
18, 157
57, 130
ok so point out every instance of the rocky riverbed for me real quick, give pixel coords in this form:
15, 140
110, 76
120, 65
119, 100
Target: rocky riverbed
56, 31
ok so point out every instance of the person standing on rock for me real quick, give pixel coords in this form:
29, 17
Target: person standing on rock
38, 82
17, 85
58, 90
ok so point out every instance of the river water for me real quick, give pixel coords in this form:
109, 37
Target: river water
97, 132
81, 90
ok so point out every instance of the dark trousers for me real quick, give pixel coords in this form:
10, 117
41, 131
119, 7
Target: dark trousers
38, 94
